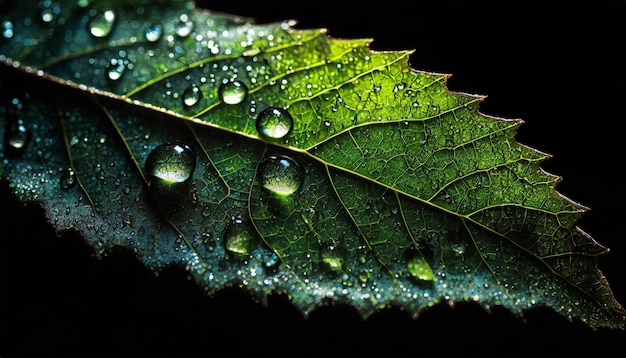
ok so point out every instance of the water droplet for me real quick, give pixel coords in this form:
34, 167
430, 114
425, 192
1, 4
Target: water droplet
116, 69
233, 92
274, 123
16, 135
280, 174
183, 26
7, 29
239, 237
328, 123
102, 23
154, 33
171, 163
192, 95
420, 269
68, 178
49, 11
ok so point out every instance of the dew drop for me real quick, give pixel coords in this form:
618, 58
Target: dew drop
274, 123
233, 92
154, 33
116, 69
192, 95
183, 26
102, 23
171, 163
7, 29
239, 238
280, 174
68, 178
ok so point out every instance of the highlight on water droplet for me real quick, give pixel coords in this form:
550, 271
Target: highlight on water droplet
274, 123
280, 174
154, 33
16, 135
233, 92
102, 23
183, 25
192, 95
171, 163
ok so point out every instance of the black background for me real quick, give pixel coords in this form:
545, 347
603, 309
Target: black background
559, 66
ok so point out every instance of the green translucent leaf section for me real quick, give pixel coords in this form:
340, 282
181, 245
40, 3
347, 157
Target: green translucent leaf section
283, 160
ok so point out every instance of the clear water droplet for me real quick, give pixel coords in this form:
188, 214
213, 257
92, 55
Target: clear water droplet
7, 29
116, 69
171, 163
233, 92
183, 26
68, 178
192, 95
102, 23
154, 33
280, 174
328, 123
239, 237
274, 123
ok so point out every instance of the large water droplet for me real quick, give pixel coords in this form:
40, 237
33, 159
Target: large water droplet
171, 163
274, 123
116, 69
233, 92
7, 29
183, 26
420, 269
192, 95
280, 174
239, 237
102, 23
154, 33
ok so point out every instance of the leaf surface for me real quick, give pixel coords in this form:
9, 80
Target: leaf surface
284, 160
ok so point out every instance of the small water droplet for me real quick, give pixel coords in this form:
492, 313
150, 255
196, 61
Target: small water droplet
327, 123
183, 26
68, 178
192, 95
49, 11
154, 33
116, 69
102, 23
7, 29
233, 92
239, 237
171, 163
280, 174
274, 123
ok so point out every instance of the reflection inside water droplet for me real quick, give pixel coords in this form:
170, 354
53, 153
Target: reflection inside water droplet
233, 92
171, 163
192, 95
102, 23
274, 123
280, 174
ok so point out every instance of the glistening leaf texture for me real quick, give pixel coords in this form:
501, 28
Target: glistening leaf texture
284, 160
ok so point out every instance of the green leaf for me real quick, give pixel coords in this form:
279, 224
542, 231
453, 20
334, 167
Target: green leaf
284, 160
